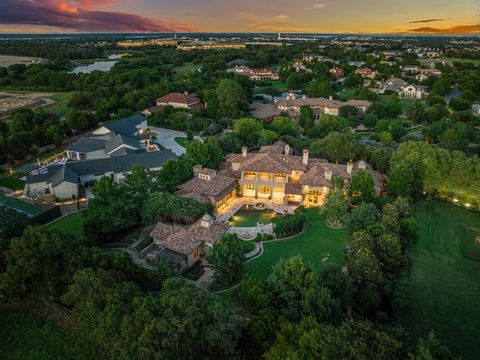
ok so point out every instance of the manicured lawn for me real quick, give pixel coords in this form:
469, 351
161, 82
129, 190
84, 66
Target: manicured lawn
72, 224
28, 337
61, 103
444, 284
318, 245
460, 60
275, 84
186, 68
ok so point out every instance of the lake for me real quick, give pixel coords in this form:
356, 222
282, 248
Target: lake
96, 66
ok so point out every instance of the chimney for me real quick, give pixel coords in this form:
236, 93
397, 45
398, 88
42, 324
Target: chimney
305, 156
328, 175
362, 165
330, 97
244, 151
197, 169
287, 149
349, 167
185, 92
206, 221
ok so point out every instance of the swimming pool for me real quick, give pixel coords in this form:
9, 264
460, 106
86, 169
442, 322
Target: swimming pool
247, 216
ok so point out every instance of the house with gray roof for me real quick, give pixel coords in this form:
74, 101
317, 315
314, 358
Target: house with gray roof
64, 181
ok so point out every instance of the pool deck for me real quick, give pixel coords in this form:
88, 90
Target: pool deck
226, 212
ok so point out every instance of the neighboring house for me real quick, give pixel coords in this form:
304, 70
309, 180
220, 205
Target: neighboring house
337, 72
427, 73
410, 68
130, 126
260, 74
181, 101
298, 66
113, 149
182, 245
366, 73
476, 109
291, 107
239, 69
152, 110
320, 106
413, 92
308, 57
63, 181
391, 85
274, 173
116, 138
208, 187
357, 64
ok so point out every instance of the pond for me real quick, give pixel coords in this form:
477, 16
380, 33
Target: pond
249, 217
96, 66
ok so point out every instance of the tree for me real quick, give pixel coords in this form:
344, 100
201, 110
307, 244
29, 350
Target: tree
174, 173
111, 208
336, 208
417, 112
208, 153
336, 146
350, 340
319, 88
248, 130
296, 291
306, 117
228, 261
283, 125
231, 99
363, 216
267, 137
137, 184
362, 187
401, 180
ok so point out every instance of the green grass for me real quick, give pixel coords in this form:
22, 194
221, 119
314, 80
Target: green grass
72, 224
248, 246
318, 245
11, 182
144, 243
444, 285
186, 68
275, 84
460, 60
29, 337
60, 106
182, 141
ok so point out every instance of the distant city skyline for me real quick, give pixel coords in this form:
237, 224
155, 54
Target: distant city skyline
302, 16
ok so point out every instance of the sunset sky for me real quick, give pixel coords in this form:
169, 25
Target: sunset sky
318, 16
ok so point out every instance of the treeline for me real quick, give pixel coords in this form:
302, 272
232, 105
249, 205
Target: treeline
427, 168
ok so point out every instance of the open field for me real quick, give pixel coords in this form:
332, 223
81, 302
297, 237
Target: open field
186, 68
275, 84
60, 105
443, 283
318, 245
460, 60
72, 224
28, 337
7, 60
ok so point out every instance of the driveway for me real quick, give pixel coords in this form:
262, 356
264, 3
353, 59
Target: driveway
166, 138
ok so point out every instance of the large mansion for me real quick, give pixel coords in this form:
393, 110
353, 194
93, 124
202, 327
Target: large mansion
319, 106
273, 173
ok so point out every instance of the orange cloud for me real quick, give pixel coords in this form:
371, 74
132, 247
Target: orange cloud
64, 7
455, 30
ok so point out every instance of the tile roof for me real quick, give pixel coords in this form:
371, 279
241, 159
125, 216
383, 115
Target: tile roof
184, 239
215, 188
179, 98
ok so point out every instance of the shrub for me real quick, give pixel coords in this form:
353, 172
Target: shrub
289, 225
